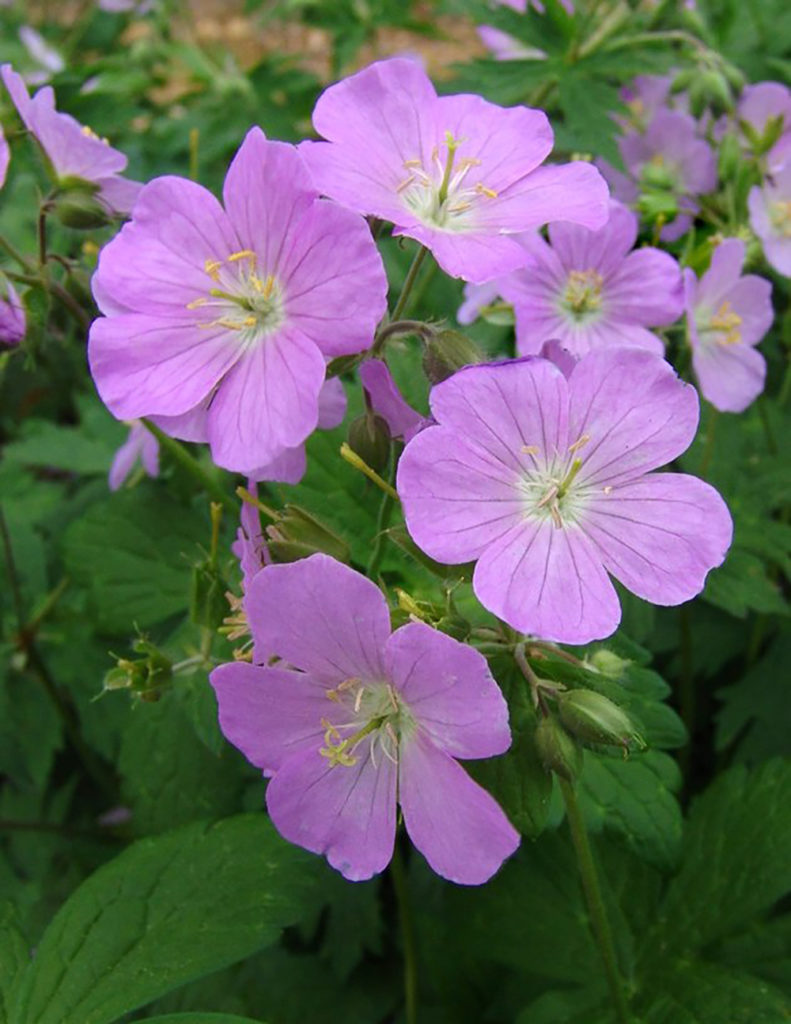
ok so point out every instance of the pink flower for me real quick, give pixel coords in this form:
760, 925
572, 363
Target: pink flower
543, 481
74, 152
140, 445
726, 316
5, 157
589, 290
354, 719
219, 322
764, 101
402, 420
13, 322
456, 173
250, 547
770, 218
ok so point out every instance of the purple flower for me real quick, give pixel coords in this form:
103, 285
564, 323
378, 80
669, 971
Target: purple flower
456, 173
250, 547
589, 290
757, 105
354, 719
5, 157
726, 315
13, 322
140, 445
543, 480
476, 298
402, 420
644, 97
75, 153
668, 154
218, 322
770, 218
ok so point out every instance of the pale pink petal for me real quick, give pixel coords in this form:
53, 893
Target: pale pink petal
723, 273
449, 690
634, 410
332, 403
578, 248
402, 420
549, 582
457, 826
286, 468
660, 536
322, 617
731, 377
345, 812
646, 289
267, 402
270, 714
751, 299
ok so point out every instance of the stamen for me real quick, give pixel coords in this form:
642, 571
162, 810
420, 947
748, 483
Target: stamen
482, 190
212, 268
580, 443
576, 466
243, 254
530, 449
727, 320
197, 303
405, 183
413, 163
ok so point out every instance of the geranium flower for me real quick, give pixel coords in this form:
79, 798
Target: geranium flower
387, 401
589, 290
770, 218
75, 153
13, 322
140, 446
218, 322
456, 173
544, 481
726, 315
354, 719
758, 104
668, 155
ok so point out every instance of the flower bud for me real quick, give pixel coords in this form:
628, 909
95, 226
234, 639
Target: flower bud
683, 80
369, 437
146, 677
559, 752
297, 534
78, 209
446, 352
594, 718
609, 663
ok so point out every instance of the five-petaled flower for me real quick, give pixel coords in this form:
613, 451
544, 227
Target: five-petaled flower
218, 322
770, 218
354, 719
543, 480
727, 315
457, 173
589, 290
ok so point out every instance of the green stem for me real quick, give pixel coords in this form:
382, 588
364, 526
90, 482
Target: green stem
771, 442
409, 283
60, 293
708, 449
14, 253
593, 897
398, 875
191, 465
382, 519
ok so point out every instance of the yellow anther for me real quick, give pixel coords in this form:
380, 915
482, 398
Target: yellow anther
269, 284
249, 321
405, 183
243, 254
583, 290
482, 190
530, 449
413, 163
197, 303
580, 443
212, 268
728, 321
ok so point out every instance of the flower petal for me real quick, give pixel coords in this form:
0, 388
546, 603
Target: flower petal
267, 402
449, 690
322, 617
550, 582
457, 826
660, 536
646, 289
270, 713
345, 812
730, 376
635, 410
578, 248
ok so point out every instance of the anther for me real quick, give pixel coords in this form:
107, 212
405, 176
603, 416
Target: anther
482, 190
212, 268
243, 254
580, 443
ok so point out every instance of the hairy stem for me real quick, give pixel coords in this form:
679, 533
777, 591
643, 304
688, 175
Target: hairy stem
409, 283
598, 915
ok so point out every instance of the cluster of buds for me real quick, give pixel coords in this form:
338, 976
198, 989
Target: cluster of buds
145, 677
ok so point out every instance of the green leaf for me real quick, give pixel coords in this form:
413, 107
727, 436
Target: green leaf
53, 446
705, 994
132, 553
635, 800
737, 856
169, 777
14, 956
166, 911
201, 1018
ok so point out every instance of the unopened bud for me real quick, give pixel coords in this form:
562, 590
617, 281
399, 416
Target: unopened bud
716, 91
369, 437
79, 209
446, 352
594, 718
297, 534
145, 677
773, 129
559, 752
683, 80
608, 663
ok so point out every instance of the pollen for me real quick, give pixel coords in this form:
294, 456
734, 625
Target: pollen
482, 190
212, 268
727, 321
583, 292
243, 254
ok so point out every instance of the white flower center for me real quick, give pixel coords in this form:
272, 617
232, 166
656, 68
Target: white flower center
374, 713
582, 296
239, 299
550, 486
720, 328
441, 194
780, 216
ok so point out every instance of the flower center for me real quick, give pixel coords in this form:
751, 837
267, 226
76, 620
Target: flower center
549, 484
240, 299
582, 295
725, 323
780, 216
440, 193
374, 712
658, 173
